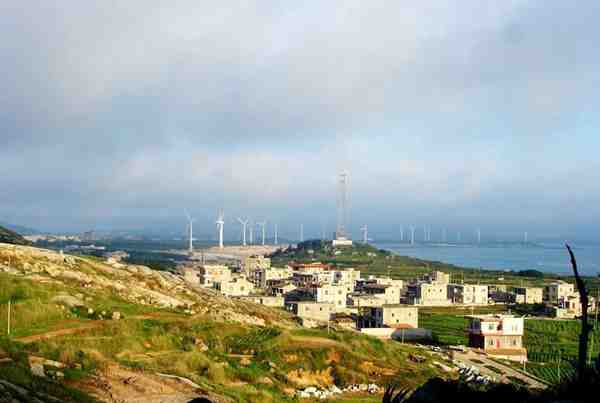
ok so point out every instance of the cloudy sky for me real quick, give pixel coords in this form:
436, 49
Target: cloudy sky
121, 114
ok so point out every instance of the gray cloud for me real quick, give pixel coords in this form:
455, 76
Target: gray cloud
112, 111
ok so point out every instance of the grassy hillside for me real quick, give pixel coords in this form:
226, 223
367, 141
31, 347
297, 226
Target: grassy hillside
239, 352
11, 237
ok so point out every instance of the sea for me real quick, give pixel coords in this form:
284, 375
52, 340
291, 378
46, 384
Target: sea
547, 257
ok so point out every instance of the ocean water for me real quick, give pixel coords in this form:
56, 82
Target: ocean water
547, 257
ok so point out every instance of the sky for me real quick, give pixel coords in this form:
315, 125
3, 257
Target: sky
458, 115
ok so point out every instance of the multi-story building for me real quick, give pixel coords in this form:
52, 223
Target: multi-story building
333, 294
437, 277
261, 277
388, 293
252, 263
555, 291
210, 274
237, 287
528, 295
428, 294
469, 294
500, 335
389, 315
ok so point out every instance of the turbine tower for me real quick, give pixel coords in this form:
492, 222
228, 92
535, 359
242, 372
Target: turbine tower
191, 232
478, 235
276, 241
412, 234
220, 224
244, 224
341, 231
263, 225
365, 231
401, 233
251, 232
301, 232
526, 237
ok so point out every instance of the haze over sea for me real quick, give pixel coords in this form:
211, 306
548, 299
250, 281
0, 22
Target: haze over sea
546, 257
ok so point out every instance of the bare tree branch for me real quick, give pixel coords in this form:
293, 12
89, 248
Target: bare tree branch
586, 328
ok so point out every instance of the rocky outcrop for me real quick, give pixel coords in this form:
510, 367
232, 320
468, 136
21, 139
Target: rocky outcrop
10, 237
133, 283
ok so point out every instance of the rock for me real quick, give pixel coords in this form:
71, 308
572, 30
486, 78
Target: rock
37, 369
116, 315
90, 311
68, 301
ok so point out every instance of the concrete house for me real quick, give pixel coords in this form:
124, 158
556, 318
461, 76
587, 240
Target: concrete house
428, 294
499, 335
528, 295
389, 315
211, 274
235, 288
320, 312
555, 291
437, 277
388, 293
469, 294
333, 294
263, 276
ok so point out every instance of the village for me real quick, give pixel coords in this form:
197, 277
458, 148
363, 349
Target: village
323, 295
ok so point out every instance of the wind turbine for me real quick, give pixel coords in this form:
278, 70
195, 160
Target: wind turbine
412, 234
251, 232
220, 224
191, 231
478, 235
365, 231
301, 232
276, 242
244, 224
262, 225
401, 233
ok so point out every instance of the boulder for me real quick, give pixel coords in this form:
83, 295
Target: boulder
68, 301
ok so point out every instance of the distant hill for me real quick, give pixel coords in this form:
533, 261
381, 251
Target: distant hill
8, 236
20, 229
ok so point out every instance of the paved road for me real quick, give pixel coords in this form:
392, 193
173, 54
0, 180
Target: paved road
468, 357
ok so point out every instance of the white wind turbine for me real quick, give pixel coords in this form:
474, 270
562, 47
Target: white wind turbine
244, 224
251, 232
365, 231
191, 231
263, 225
220, 224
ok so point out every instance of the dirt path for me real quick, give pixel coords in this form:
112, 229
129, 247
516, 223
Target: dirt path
471, 359
314, 342
60, 332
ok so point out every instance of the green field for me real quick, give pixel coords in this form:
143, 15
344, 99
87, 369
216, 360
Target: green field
549, 343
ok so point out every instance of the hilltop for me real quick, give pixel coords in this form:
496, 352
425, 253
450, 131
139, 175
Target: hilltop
100, 331
11, 237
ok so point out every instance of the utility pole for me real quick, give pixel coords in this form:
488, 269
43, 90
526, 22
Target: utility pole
8, 321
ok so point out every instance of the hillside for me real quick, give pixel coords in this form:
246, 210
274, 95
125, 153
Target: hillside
11, 237
126, 333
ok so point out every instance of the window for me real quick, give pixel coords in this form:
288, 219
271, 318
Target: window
491, 342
